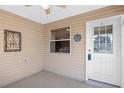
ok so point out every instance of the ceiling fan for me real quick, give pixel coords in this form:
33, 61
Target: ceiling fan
47, 8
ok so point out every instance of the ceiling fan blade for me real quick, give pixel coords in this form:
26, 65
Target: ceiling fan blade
27, 5
61, 6
47, 11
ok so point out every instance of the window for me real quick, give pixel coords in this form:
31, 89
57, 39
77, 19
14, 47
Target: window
103, 39
60, 40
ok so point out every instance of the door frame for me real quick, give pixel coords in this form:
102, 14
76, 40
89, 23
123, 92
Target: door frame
122, 64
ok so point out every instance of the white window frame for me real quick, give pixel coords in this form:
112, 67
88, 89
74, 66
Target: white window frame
70, 39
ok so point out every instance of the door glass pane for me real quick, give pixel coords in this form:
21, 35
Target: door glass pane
109, 38
109, 34
108, 48
102, 48
102, 39
96, 39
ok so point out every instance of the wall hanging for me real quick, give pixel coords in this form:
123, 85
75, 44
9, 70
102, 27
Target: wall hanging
12, 41
77, 37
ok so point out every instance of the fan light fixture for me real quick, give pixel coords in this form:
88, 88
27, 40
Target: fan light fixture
45, 6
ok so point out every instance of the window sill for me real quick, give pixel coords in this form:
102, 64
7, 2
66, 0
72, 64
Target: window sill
57, 53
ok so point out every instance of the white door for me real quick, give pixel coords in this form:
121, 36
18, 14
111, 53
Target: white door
103, 50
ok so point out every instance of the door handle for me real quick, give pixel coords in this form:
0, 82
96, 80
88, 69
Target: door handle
89, 57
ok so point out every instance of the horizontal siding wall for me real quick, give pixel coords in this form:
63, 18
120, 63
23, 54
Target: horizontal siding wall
12, 64
73, 65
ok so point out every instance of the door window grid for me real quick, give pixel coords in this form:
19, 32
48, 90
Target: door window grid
103, 39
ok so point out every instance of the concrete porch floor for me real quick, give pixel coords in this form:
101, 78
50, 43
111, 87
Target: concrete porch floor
45, 79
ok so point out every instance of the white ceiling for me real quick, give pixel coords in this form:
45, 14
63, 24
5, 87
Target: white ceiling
36, 13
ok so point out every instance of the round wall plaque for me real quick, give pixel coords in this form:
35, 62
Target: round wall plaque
77, 37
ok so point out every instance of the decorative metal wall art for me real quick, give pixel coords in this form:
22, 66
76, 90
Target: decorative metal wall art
77, 37
12, 41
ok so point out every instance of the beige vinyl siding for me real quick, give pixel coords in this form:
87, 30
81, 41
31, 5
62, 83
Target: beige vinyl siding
12, 64
73, 64
35, 46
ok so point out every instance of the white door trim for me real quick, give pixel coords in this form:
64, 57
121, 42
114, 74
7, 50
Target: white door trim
122, 57
122, 64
